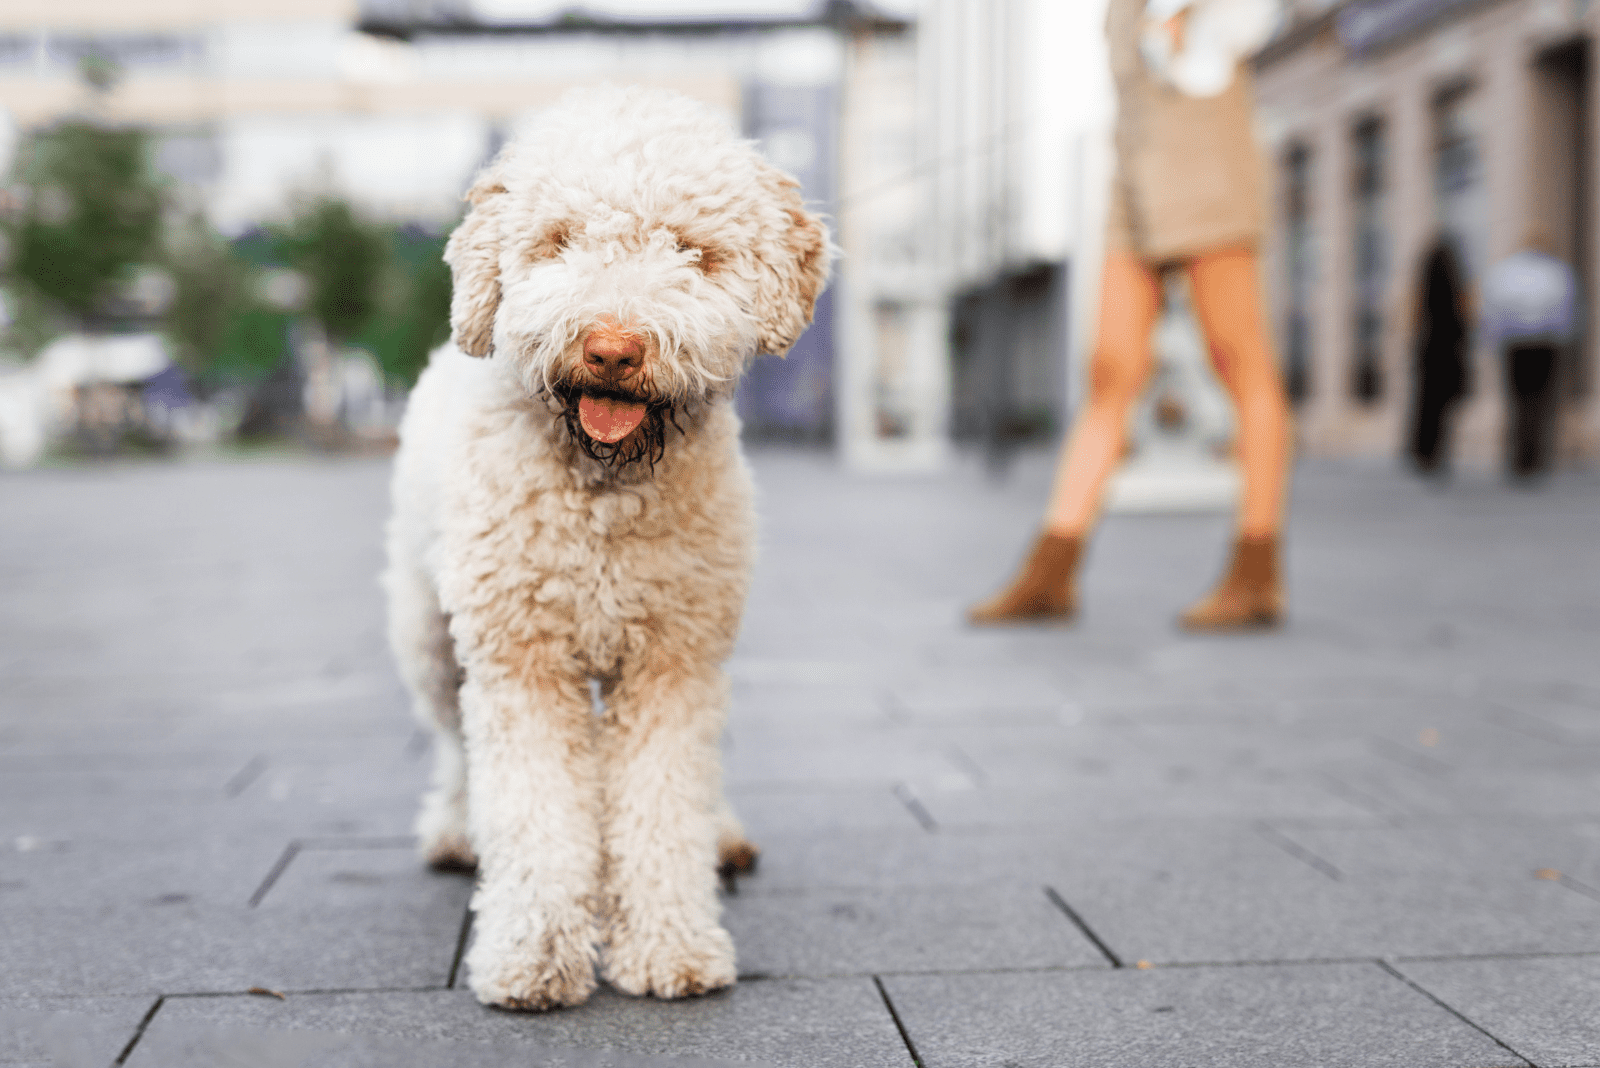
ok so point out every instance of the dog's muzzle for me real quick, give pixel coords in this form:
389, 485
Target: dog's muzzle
613, 426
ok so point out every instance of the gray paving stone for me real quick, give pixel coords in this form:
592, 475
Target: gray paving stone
858, 758
1118, 761
47, 874
137, 949
203, 1046
801, 707
1145, 789
812, 809
1175, 892
377, 876
794, 1023
335, 918
74, 1032
859, 932
1545, 1008
906, 857
1332, 1016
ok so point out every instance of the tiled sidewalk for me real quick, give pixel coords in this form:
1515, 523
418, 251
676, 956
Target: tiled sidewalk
1370, 840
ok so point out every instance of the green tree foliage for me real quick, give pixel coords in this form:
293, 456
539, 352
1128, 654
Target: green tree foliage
91, 210
211, 288
382, 289
415, 317
344, 258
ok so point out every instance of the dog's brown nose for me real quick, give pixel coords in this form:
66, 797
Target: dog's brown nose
612, 353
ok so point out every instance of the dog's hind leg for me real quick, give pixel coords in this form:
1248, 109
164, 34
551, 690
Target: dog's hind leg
419, 633
736, 854
662, 787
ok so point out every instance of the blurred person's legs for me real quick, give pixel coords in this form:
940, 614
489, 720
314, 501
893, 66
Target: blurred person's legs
1045, 589
1531, 370
1428, 451
1226, 292
1227, 299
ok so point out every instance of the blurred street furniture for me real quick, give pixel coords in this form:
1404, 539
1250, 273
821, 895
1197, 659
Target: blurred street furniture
1390, 123
1185, 197
98, 392
24, 416
1530, 315
343, 397
1441, 373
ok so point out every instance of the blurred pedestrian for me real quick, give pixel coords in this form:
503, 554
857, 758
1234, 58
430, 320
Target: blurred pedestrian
1441, 370
1530, 314
1187, 196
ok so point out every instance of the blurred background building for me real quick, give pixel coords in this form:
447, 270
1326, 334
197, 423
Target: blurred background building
1389, 122
959, 146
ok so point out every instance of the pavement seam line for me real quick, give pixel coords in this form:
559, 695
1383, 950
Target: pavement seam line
138, 1032
899, 1024
285, 858
1528, 725
245, 776
919, 812
407, 841
1578, 886
1083, 928
1361, 799
966, 765
1390, 749
1453, 1011
1298, 851
461, 947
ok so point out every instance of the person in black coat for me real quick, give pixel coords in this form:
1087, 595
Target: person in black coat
1441, 356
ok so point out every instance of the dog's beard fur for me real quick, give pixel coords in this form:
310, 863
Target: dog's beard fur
648, 442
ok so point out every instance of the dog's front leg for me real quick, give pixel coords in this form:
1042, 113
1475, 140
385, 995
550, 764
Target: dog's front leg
661, 784
533, 798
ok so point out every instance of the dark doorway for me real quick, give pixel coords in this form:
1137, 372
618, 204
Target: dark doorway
1561, 190
1008, 340
1301, 272
1370, 192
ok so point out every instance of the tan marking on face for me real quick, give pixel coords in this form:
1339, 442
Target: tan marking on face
550, 244
711, 259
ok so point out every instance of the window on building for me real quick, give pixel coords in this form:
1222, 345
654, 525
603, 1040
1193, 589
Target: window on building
1370, 156
1458, 188
1299, 263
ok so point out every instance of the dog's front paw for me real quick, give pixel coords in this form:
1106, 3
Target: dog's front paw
671, 964
530, 970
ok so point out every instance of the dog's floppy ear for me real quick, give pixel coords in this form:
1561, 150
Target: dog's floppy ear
473, 254
795, 266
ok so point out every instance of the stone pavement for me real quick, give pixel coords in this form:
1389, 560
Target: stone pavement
1372, 839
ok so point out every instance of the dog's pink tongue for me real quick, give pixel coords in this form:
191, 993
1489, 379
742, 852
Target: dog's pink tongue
608, 420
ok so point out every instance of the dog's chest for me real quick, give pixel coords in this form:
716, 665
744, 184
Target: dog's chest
604, 572
535, 555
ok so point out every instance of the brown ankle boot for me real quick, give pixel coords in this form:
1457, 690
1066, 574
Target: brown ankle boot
1250, 596
1043, 591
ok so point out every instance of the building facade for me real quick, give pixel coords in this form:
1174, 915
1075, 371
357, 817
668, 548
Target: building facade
396, 103
1389, 124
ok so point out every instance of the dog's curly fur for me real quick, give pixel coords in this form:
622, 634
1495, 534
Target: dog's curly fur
526, 560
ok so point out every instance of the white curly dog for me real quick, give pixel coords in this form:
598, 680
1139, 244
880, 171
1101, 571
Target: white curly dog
576, 508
